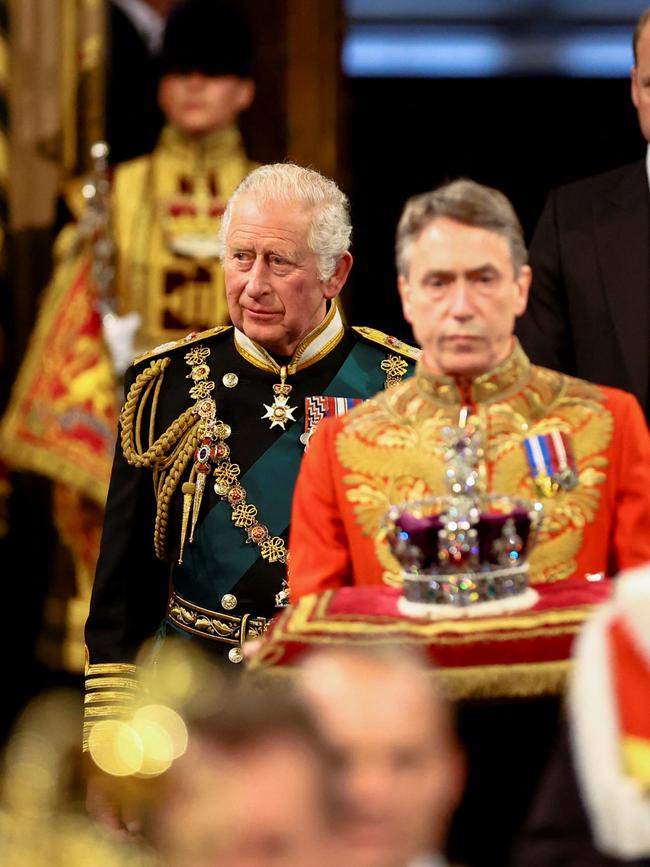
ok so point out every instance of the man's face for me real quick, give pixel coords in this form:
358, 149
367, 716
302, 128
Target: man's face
399, 776
275, 295
198, 104
461, 297
641, 82
260, 806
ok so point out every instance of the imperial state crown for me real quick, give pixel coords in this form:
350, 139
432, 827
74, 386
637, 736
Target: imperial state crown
465, 553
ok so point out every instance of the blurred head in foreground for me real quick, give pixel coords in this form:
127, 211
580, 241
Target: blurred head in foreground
252, 788
399, 767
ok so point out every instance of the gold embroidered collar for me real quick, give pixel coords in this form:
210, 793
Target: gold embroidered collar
316, 345
213, 147
497, 384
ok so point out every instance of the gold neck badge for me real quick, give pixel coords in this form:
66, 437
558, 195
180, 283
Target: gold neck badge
316, 345
279, 412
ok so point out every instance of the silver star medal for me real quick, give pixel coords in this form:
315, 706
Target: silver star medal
279, 412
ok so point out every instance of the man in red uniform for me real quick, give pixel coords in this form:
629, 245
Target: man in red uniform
581, 449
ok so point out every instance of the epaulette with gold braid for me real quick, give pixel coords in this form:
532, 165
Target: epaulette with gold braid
388, 342
188, 340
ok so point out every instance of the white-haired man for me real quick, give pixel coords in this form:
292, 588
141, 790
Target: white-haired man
214, 427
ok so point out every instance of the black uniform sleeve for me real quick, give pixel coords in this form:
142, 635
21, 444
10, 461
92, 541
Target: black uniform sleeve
129, 593
131, 585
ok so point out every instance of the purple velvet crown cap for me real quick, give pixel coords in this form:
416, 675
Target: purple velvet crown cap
410, 529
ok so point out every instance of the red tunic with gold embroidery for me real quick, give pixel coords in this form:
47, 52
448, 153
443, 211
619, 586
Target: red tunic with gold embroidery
391, 450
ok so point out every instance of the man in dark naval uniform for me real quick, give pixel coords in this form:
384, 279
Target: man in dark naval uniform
213, 430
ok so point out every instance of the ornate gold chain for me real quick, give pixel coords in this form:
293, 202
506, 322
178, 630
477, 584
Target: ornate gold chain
213, 455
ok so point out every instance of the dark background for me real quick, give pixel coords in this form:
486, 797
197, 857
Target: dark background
522, 135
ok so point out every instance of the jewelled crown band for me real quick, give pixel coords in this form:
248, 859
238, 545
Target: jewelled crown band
460, 551
466, 548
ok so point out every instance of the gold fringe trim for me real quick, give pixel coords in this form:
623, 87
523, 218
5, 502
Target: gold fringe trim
518, 680
170, 454
521, 680
110, 668
108, 696
111, 683
109, 711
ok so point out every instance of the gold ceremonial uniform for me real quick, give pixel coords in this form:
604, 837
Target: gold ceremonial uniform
583, 450
167, 209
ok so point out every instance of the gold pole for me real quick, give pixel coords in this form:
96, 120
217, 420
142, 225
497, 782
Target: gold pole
69, 85
4, 120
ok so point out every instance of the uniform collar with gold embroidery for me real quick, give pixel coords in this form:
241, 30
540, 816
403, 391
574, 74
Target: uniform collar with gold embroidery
496, 384
316, 345
214, 146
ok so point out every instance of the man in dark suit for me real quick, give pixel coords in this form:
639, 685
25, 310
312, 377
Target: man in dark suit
588, 313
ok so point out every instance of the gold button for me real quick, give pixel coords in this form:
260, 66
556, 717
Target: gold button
230, 380
235, 655
229, 601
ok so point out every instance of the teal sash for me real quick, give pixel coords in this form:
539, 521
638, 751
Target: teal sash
269, 485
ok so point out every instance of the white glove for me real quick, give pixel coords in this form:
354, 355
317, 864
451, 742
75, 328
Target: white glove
119, 333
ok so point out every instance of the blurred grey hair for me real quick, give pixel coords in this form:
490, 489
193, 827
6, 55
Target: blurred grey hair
330, 230
466, 202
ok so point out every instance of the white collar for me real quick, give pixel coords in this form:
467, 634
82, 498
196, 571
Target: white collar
647, 163
311, 348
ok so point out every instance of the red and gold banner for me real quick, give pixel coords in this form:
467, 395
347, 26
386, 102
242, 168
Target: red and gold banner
62, 416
